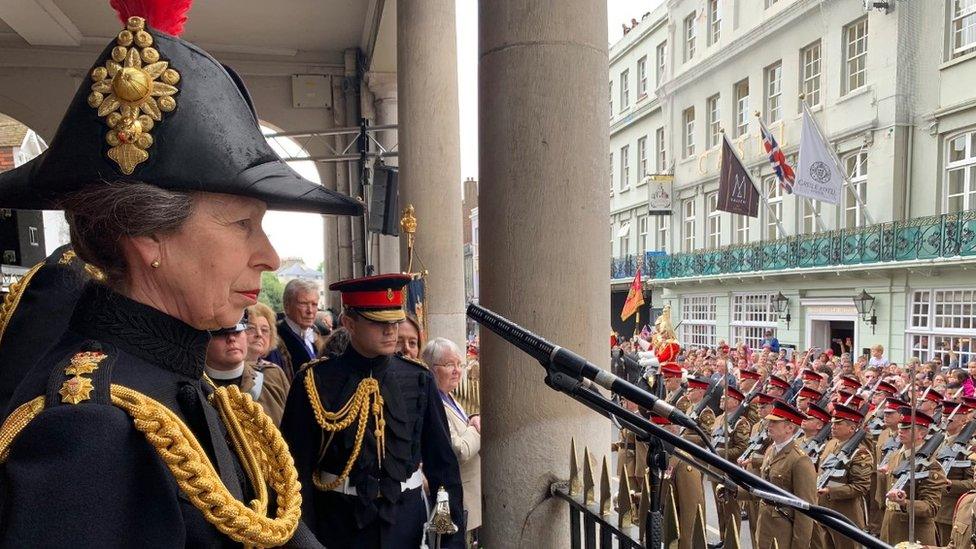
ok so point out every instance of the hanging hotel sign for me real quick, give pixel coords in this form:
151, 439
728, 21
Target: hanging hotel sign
659, 193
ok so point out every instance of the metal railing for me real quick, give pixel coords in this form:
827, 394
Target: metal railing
939, 236
589, 529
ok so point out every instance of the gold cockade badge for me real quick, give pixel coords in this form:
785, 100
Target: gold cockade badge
78, 388
132, 91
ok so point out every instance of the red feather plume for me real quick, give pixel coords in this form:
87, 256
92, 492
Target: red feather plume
168, 16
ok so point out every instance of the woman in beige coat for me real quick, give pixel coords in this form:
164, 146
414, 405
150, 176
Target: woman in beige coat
445, 361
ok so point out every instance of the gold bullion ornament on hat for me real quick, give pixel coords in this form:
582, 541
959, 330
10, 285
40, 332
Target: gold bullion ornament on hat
131, 92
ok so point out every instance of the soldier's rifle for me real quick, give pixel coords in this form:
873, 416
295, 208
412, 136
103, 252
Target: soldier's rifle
949, 456
815, 445
836, 464
758, 440
573, 375
922, 462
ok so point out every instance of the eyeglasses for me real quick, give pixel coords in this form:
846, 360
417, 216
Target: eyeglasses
253, 330
450, 365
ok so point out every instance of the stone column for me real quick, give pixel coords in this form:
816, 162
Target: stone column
383, 85
430, 165
544, 254
344, 242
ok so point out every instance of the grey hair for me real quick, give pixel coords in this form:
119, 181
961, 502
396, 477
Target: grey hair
101, 215
297, 286
437, 348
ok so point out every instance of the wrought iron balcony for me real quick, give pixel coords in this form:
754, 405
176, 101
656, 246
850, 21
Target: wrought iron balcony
940, 236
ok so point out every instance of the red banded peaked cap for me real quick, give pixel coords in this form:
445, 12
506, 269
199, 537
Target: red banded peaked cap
921, 418
749, 374
886, 388
671, 369
811, 375
784, 412
809, 393
763, 398
817, 412
777, 381
846, 413
379, 298
698, 383
735, 393
893, 404
933, 395
850, 382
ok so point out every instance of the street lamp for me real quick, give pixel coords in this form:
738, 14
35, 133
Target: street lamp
864, 303
783, 308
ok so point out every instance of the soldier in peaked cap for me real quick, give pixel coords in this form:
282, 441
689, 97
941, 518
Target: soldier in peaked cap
960, 478
359, 424
736, 437
845, 494
114, 436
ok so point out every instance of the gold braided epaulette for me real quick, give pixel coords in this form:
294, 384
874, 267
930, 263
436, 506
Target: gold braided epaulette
414, 361
12, 299
263, 452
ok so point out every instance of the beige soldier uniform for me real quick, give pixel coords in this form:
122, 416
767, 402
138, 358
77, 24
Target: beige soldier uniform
960, 481
847, 495
961, 534
632, 453
879, 483
685, 482
738, 438
755, 464
268, 386
928, 497
791, 470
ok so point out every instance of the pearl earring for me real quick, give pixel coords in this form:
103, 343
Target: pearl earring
155, 264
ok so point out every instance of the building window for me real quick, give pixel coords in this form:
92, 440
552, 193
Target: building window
714, 121
774, 92
741, 226
741, 94
943, 321
641, 77
810, 73
641, 159
660, 55
774, 213
811, 209
856, 166
963, 27
714, 22
752, 315
961, 173
689, 37
624, 167
714, 221
856, 53
611, 99
623, 246
611, 174
663, 228
625, 90
688, 208
688, 127
662, 158
641, 234
769, 3
698, 321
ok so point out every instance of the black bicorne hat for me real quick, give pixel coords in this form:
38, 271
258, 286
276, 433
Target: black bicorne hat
159, 110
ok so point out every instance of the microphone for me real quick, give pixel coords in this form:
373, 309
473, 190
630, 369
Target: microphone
574, 365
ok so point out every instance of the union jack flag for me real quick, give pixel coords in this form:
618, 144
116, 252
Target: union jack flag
777, 160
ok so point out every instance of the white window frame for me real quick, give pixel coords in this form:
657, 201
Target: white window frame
660, 55
714, 22
714, 122
855, 55
962, 27
769, 3
741, 103
662, 226
774, 200
624, 167
662, 151
811, 67
688, 132
751, 315
965, 166
688, 208
642, 232
641, 78
698, 319
741, 228
714, 227
624, 90
689, 37
856, 166
623, 242
641, 159
774, 92
926, 307
810, 210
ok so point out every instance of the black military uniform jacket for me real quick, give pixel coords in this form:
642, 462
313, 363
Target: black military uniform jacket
416, 431
81, 475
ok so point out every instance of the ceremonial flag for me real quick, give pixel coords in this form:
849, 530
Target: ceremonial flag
777, 160
819, 175
635, 297
736, 192
414, 304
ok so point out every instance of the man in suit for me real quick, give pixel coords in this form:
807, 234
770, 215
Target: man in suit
296, 332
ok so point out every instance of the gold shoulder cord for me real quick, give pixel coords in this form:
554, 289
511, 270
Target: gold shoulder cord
263, 452
358, 408
12, 299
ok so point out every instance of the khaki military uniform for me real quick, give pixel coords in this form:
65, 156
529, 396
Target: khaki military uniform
791, 470
685, 482
876, 511
928, 497
737, 438
632, 453
960, 482
754, 465
847, 495
961, 534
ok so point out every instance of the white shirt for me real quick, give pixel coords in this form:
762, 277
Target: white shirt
225, 374
778, 446
307, 335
